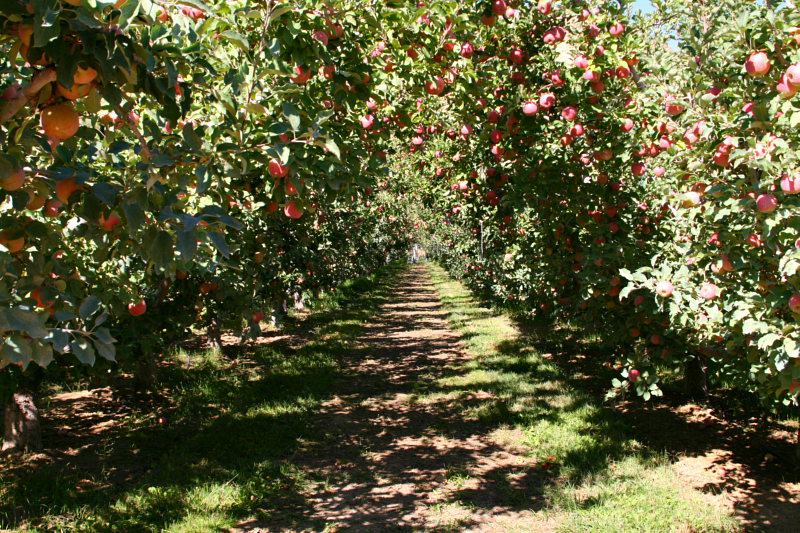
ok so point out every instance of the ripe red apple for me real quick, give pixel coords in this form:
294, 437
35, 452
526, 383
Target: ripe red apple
530, 108
137, 309
192, 12
627, 125
793, 74
321, 36
367, 121
757, 64
434, 87
708, 291
633, 375
794, 302
766, 203
693, 200
554, 35
258, 316
292, 211
616, 29
790, 184
547, 100
276, 170
664, 288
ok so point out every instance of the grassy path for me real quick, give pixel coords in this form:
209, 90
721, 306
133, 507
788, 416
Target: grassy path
403, 406
446, 420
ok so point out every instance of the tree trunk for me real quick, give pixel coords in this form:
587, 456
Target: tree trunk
22, 429
214, 334
251, 332
694, 377
797, 448
146, 374
298, 301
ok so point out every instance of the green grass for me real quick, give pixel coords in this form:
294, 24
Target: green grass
220, 458
602, 479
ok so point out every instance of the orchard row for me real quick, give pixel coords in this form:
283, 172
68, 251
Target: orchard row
647, 193
167, 165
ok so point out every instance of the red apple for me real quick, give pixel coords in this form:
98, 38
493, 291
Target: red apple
137, 309
757, 64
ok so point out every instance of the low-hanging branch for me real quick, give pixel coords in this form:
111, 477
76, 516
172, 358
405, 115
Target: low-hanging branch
29, 92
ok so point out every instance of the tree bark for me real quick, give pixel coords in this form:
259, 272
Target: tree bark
277, 312
298, 301
214, 334
797, 448
694, 377
22, 428
146, 374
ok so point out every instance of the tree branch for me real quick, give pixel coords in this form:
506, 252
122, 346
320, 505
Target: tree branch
124, 116
30, 91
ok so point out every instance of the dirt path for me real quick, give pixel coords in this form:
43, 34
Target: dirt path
389, 459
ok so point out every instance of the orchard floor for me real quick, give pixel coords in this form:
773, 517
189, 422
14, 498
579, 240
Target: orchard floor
406, 406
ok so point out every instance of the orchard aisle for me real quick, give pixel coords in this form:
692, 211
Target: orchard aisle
396, 450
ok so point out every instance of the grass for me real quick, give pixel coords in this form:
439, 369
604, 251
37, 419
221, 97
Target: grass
600, 478
220, 457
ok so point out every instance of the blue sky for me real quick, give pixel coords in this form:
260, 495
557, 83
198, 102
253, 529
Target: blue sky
644, 5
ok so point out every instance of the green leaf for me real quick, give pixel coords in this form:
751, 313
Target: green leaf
203, 179
274, 47
134, 215
106, 192
767, 340
186, 244
191, 138
46, 22
105, 350
104, 335
161, 250
790, 345
8, 166
83, 350
41, 353
26, 321
59, 338
237, 39
292, 115
331, 145
18, 350
128, 11
65, 72
162, 160
89, 307
218, 239
277, 12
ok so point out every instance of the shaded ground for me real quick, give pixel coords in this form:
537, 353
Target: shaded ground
745, 462
404, 410
384, 460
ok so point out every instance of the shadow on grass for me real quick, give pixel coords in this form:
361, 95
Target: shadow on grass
202, 453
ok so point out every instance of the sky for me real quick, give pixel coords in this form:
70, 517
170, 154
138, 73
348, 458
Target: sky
644, 5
